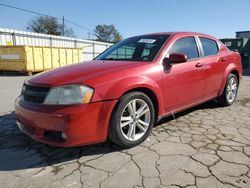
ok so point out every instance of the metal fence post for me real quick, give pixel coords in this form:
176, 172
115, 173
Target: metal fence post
75, 43
51, 42
93, 50
13, 38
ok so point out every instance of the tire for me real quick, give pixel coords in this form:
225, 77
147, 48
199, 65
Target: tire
230, 91
128, 129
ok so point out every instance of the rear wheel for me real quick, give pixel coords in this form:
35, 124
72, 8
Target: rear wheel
230, 91
131, 120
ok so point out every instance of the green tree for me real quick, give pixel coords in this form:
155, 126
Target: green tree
107, 33
49, 25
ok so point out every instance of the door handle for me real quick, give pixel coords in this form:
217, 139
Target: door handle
199, 65
223, 59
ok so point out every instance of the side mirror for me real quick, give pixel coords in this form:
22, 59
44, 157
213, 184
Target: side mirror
175, 58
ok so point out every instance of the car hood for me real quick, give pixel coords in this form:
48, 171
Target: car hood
82, 73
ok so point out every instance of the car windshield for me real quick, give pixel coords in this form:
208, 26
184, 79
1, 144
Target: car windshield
140, 48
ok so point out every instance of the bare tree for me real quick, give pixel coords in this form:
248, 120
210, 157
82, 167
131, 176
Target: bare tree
49, 25
107, 33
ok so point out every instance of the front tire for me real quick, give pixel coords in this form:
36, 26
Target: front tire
230, 91
131, 120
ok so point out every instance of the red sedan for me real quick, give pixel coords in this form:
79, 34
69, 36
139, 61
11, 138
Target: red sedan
122, 93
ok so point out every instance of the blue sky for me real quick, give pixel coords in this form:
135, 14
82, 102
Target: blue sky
220, 18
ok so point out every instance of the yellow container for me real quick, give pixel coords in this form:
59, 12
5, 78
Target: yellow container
36, 58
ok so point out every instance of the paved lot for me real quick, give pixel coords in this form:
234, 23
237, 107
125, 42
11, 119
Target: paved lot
10, 88
206, 146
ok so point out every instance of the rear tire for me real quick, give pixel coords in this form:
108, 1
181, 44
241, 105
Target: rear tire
131, 120
230, 91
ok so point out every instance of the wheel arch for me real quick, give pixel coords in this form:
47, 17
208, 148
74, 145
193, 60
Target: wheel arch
236, 73
151, 94
232, 69
113, 91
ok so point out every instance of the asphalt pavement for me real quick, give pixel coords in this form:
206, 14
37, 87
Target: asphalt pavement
206, 146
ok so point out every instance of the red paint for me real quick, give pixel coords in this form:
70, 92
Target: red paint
177, 87
82, 123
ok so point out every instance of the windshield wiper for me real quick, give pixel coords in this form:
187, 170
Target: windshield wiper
108, 59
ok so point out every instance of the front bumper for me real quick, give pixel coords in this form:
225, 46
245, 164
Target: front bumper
81, 124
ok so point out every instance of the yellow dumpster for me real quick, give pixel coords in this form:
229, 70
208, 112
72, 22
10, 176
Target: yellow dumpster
30, 59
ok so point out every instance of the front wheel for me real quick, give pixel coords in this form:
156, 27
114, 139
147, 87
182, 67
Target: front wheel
132, 120
230, 91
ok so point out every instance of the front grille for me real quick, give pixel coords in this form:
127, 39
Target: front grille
34, 94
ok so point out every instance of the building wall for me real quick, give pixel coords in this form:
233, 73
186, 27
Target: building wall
243, 34
90, 48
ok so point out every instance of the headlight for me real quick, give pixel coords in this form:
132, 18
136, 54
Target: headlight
69, 94
23, 89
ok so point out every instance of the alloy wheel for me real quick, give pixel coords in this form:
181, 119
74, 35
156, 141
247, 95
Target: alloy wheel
135, 119
231, 90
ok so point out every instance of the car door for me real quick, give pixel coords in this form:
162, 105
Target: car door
214, 65
184, 83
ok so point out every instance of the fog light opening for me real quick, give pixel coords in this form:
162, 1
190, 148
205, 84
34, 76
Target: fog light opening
56, 136
64, 137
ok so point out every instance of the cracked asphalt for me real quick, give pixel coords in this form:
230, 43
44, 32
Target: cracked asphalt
205, 146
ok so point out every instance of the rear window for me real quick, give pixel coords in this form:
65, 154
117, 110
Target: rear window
209, 46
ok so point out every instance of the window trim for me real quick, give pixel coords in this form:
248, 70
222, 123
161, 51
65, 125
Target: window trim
162, 47
202, 50
197, 46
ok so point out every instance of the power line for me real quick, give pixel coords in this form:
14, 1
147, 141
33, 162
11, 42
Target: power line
41, 14
70, 22
25, 10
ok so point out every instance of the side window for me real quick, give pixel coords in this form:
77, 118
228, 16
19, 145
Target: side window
209, 46
186, 45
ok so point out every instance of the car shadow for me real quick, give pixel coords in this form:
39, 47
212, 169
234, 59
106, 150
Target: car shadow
18, 151
11, 73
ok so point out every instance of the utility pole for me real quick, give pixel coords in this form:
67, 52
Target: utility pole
63, 27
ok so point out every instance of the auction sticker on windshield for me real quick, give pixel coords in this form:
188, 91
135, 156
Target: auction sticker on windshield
150, 41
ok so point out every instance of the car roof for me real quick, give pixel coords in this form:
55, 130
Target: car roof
180, 33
